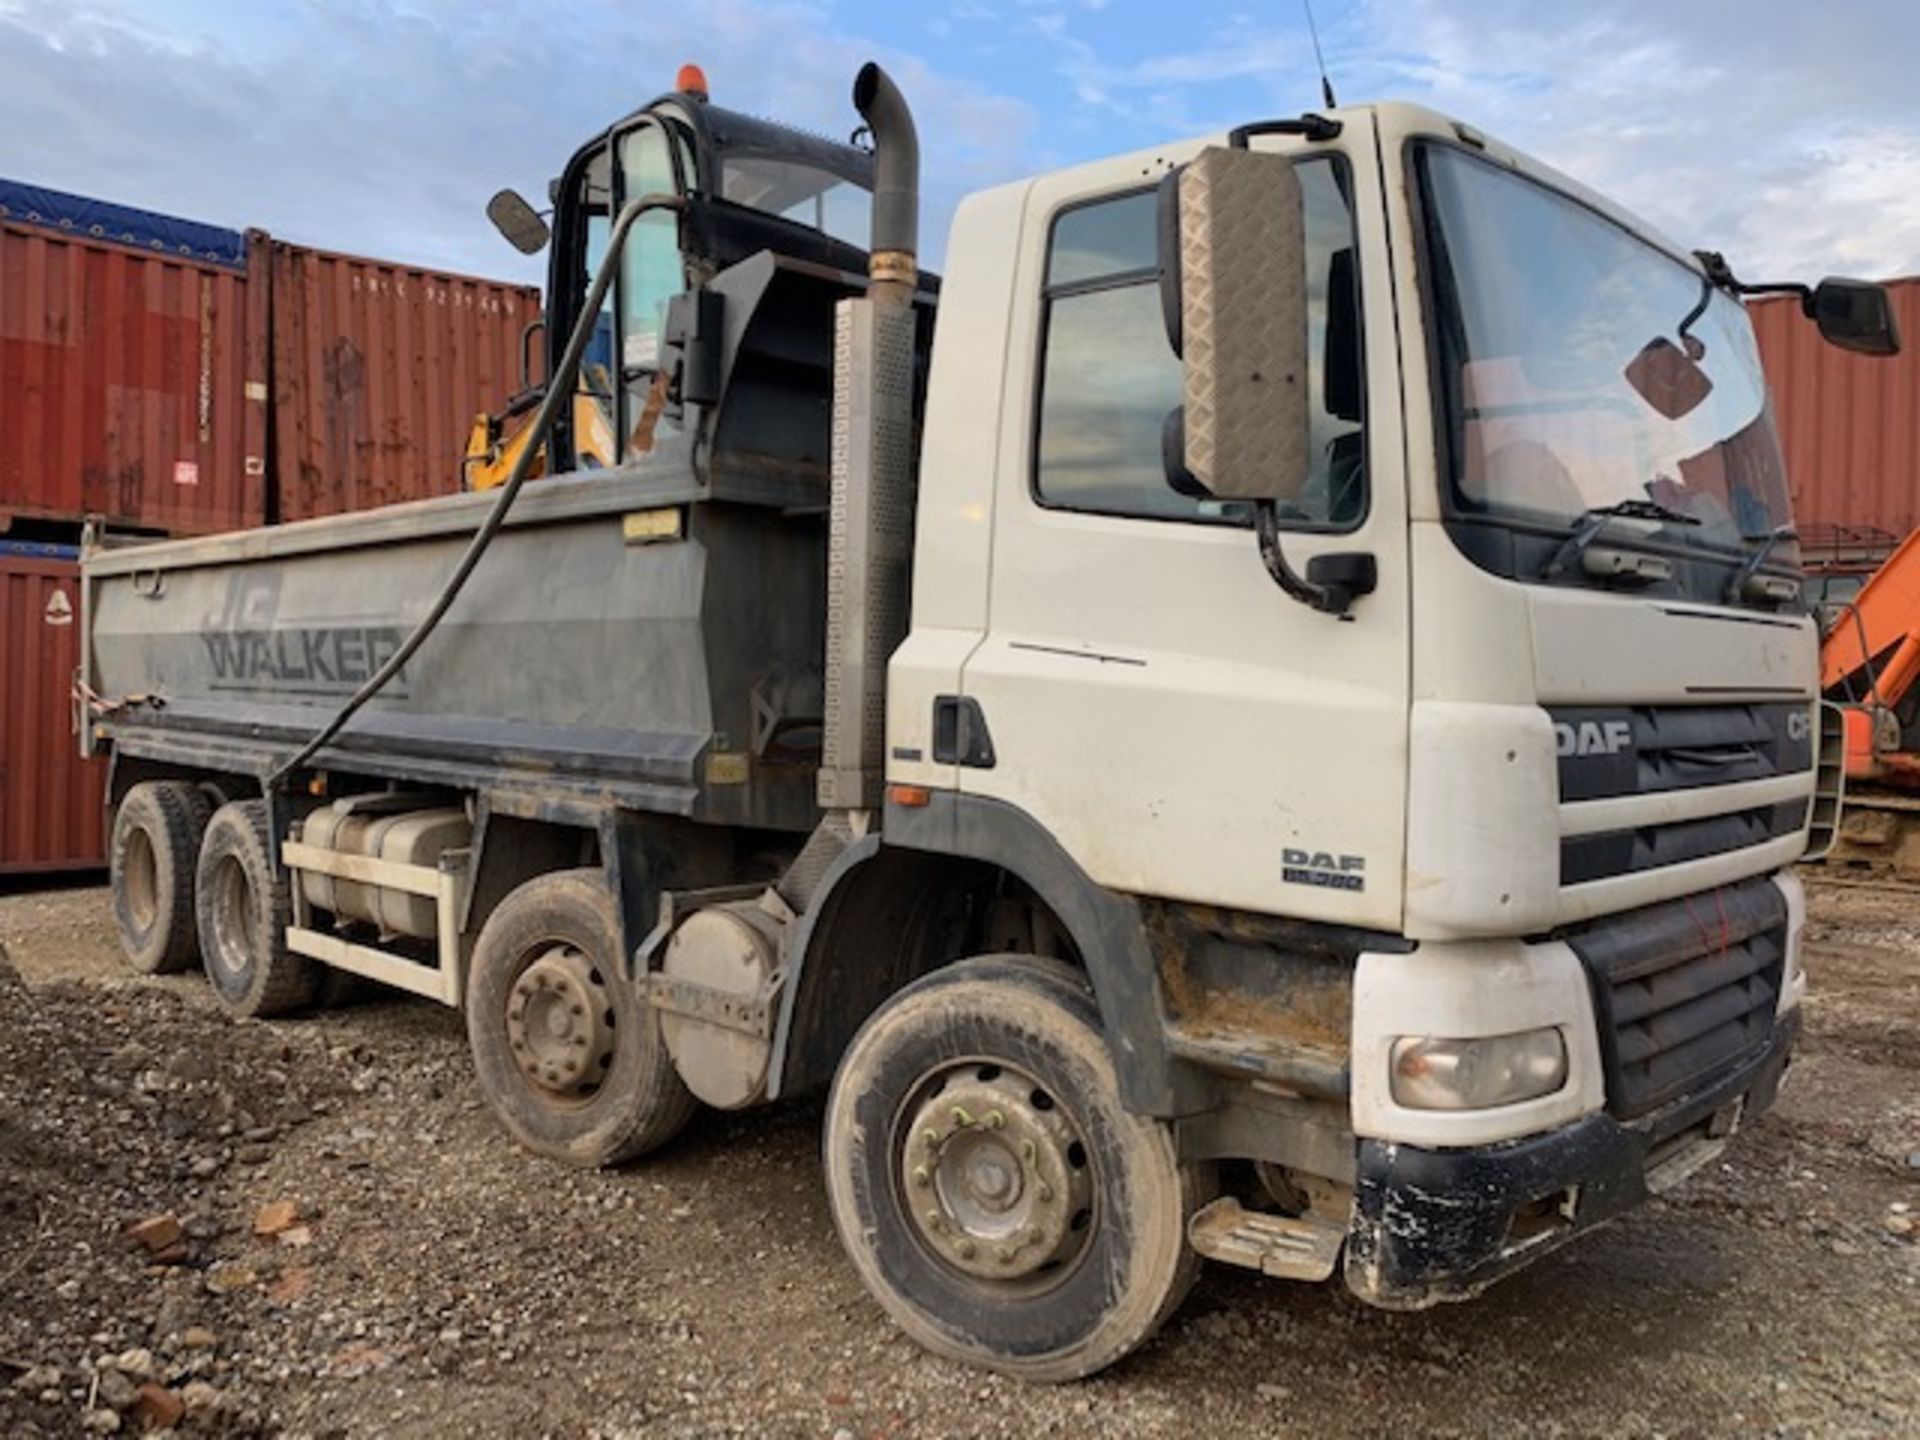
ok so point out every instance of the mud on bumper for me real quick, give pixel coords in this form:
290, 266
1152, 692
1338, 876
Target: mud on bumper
1436, 1225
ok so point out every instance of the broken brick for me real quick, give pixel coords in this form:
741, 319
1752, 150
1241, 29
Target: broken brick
274, 1217
294, 1282
157, 1407
160, 1234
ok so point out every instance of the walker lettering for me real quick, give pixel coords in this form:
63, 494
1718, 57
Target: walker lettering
311, 659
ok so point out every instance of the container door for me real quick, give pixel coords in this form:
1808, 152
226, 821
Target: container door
51, 815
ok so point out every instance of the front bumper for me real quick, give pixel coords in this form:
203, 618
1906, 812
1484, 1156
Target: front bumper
1430, 1225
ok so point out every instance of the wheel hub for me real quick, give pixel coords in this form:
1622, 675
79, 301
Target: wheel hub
996, 1181
232, 949
557, 1023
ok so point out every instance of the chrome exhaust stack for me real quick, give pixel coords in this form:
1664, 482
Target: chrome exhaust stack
870, 544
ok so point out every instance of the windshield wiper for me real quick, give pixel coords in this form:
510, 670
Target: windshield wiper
1592, 522
1737, 587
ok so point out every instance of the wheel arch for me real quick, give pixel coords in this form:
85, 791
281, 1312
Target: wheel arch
877, 911
126, 771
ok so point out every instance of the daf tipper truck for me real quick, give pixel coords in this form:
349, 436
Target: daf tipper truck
1262, 716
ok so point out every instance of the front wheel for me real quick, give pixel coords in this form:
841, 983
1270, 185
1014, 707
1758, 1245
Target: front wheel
988, 1185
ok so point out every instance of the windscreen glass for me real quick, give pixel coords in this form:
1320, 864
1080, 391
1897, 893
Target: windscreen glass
1581, 367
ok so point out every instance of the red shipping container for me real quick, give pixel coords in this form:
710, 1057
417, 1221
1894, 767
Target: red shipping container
132, 385
1849, 424
52, 814
378, 372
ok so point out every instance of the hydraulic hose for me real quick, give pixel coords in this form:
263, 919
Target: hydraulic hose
559, 392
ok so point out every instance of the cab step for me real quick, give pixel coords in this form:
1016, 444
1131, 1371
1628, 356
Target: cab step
1285, 1246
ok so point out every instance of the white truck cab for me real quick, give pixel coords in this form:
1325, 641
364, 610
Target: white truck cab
1542, 796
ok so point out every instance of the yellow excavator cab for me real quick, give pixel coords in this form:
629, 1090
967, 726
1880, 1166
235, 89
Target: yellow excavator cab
744, 187
495, 442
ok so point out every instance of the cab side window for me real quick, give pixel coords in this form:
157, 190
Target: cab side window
1109, 378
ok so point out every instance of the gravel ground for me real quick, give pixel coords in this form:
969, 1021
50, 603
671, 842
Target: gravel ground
419, 1275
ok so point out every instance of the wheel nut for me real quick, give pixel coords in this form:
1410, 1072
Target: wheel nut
965, 1249
921, 1177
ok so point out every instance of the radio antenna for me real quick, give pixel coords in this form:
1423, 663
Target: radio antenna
1326, 85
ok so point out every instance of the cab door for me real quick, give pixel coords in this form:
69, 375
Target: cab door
1179, 724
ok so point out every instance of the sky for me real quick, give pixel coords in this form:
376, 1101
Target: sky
1783, 133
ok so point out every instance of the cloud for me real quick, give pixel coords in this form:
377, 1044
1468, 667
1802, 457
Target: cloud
1786, 135
382, 126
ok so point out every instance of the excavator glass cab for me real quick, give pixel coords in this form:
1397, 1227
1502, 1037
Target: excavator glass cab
751, 185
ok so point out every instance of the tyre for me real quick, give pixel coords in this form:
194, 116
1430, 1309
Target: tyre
244, 913
151, 861
569, 1054
992, 1192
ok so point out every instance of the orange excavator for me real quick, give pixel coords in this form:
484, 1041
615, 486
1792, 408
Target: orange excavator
1870, 668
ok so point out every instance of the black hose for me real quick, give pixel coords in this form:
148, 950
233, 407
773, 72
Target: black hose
559, 390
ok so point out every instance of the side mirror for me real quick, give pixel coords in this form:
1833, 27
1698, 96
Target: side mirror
518, 221
1233, 290
1856, 315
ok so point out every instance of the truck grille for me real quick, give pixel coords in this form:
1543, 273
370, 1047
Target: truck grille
1683, 990
1649, 749
1648, 847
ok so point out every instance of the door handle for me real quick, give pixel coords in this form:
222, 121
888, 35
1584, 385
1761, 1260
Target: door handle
960, 735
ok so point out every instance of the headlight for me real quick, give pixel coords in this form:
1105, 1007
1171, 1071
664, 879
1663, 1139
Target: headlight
1436, 1074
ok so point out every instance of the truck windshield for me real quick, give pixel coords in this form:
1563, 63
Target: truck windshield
1581, 367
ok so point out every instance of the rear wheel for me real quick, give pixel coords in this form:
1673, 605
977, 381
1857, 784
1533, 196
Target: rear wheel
244, 912
568, 1052
990, 1188
151, 861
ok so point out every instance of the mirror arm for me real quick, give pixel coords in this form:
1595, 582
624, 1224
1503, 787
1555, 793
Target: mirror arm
1336, 600
1720, 274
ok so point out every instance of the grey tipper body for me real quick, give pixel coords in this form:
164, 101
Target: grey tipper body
577, 662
